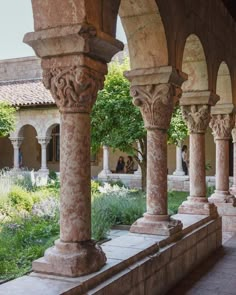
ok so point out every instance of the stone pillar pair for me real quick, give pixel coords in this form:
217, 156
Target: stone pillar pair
222, 123
196, 110
43, 141
155, 91
105, 169
16, 142
179, 167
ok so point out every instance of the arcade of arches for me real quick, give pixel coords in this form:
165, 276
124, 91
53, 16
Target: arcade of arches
179, 51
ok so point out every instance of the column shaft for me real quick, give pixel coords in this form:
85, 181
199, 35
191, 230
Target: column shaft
157, 181
179, 167
16, 157
75, 212
222, 165
43, 157
197, 166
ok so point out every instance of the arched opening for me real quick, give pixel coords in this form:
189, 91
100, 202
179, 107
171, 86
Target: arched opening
30, 148
224, 85
53, 148
145, 33
224, 90
194, 64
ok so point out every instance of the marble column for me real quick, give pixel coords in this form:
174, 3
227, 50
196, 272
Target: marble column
233, 187
156, 102
105, 169
179, 168
196, 107
222, 125
16, 142
43, 141
74, 87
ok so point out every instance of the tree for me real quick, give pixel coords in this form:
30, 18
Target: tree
7, 118
178, 130
116, 122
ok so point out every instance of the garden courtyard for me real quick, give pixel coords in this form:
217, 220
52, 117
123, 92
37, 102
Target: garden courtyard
75, 236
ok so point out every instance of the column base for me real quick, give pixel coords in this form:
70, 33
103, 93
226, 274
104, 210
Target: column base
71, 259
43, 171
222, 197
161, 225
178, 173
198, 206
232, 190
104, 173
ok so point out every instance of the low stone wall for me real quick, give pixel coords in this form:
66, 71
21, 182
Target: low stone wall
137, 264
175, 183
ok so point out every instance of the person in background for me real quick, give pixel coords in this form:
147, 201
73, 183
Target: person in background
129, 168
120, 167
185, 161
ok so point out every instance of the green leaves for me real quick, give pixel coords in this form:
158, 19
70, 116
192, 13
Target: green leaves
116, 122
178, 130
7, 118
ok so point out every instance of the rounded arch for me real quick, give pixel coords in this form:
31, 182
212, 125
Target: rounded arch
194, 65
19, 132
145, 33
224, 84
51, 125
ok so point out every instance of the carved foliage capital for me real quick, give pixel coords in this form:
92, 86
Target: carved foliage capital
74, 88
222, 125
156, 103
44, 141
16, 141
197, 117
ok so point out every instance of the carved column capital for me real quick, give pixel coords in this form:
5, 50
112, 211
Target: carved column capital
16, 141
43, 141
197, 117
222, 125
74, 88
156, 103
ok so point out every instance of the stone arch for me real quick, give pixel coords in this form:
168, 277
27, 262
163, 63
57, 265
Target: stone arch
20, 128
194, 65
50, 125
224, 84
145, 32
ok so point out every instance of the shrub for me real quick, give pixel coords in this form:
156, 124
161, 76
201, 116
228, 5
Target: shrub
20, 198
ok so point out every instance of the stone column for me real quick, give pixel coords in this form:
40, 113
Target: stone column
139, 171
233, 188
156, 102
196, 107
179, 168
43, 141
74, 62
16, 142
105, 169
222, 125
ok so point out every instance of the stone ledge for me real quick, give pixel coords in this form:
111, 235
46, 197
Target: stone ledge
134, 262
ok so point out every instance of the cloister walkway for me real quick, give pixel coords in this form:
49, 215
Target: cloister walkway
216, 276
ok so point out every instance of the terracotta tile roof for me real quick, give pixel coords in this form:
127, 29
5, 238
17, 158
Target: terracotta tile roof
25, 93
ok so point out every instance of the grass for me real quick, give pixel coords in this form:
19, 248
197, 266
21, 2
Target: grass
30, 220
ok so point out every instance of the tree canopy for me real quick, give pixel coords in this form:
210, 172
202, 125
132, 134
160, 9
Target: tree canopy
7, 118
116, 122
178, 130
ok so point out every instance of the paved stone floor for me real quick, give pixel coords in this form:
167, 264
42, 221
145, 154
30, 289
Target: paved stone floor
216, 276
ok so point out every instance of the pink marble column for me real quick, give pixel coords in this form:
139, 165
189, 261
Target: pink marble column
233, 188
74, 87
156, 102
196, 112
222, 125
